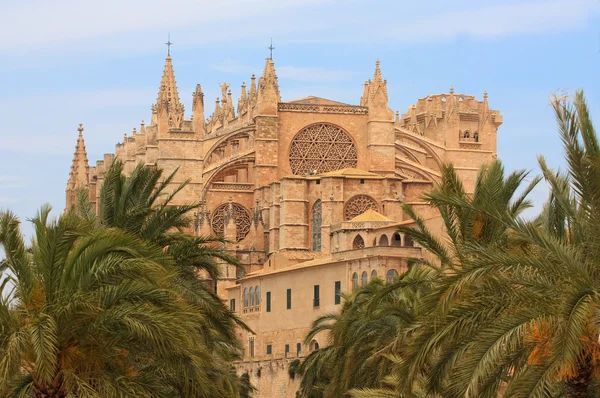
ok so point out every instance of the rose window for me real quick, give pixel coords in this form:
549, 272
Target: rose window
241, 218
358, 204
321, 148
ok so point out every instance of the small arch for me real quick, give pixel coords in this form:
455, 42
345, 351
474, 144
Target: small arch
476, 136
383, 241
364, 279
358, 243
257, 294
408, 241
466, 134
251, 294
373, 274
354, 281
246, 297
314, 345
391, 275
396, 240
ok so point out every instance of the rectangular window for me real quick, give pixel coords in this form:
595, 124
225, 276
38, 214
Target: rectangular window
298, 348
232, 305
338, 288
316, 296
269, 349
287, 350
251, 346
289, 299
268, 301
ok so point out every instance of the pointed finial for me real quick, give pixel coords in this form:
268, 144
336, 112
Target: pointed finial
397, 115
451, 90
134, 132
485, 95
80, 128
377, 76
271, 48
169, 44
143, 124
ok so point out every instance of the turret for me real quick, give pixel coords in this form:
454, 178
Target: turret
380, 127
79, 177
198, 112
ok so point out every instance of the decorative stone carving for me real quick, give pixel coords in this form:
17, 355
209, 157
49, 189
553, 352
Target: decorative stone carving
240, 216
321, 148
358, 204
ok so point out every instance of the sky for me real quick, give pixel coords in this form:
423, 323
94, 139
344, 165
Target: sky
65, 62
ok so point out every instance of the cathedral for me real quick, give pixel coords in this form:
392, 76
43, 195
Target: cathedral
309, 191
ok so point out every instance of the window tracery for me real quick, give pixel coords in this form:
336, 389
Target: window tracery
358, 204
241, 218
359, 242
316, 225
321, 148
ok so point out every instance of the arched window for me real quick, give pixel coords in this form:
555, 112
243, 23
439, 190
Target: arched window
391, 275
246, 297
476, 136
354, 281
373, 274
316, 226
358, 243
467, 135
383, 241
257, 294
396, 240
364, 279
251, 293
314, 346
408, 241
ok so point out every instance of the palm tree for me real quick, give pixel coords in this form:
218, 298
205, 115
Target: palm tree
363, 346
518, 309
92, 312
141, 204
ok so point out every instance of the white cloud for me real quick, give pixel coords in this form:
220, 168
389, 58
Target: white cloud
497, 20
9, 182
138, 26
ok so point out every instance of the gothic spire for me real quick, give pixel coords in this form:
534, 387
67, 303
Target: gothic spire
78, 176
169, 108
268, 90
198, 111
167, 92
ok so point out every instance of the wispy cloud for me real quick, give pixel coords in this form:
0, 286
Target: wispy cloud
528, 17
10, 182
135, 26
309, 74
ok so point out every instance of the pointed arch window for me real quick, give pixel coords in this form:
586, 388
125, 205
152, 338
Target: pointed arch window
373, 274
467, 135
316, 225
391, 275
364, 279
257, 296
358, 243
245, 297
251, 294
476, 136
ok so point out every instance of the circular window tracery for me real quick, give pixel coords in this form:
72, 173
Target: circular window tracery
241, 218
321, 148
358, 204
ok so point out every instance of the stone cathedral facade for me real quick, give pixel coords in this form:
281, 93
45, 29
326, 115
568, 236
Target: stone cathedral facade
310, 191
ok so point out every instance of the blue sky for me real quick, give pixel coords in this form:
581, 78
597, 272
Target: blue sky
66, 62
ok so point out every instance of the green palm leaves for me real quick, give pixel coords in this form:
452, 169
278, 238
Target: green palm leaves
92, 312
513, 304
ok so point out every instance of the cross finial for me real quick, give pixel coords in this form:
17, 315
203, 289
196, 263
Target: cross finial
169, 44
271, 48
